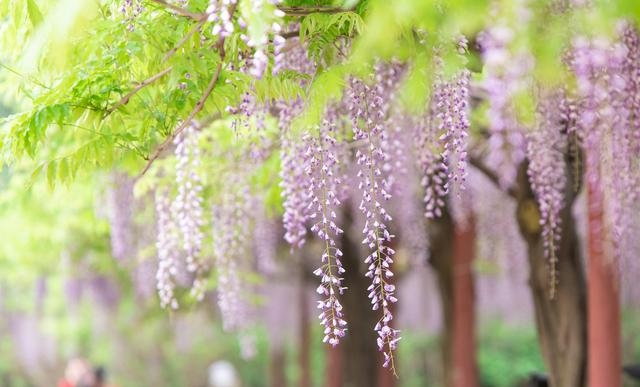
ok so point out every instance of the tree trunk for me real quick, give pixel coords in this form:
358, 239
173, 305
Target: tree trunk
604, 362
360, 349
464, 370
333, 367
560, 322
305, 336
441, 260
277, 376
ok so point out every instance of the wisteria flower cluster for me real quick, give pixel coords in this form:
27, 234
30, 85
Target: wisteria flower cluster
322, 192
367, 115
547, 171
507, 76
188, 203
168, 247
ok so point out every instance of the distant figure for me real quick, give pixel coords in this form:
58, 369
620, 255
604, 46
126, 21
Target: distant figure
100, 377
633, 370
77, 372
535, 379
223, 374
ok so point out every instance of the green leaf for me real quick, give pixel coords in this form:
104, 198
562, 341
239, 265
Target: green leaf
34, 13
51, 174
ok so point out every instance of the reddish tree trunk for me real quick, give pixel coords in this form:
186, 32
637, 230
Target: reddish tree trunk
333, 368
604, 363
441, 260
305, 338
452, 257
464, 370
277, 376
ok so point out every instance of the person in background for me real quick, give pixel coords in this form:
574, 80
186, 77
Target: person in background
100, 377
77, 370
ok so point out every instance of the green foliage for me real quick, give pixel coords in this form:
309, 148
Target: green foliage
507, 354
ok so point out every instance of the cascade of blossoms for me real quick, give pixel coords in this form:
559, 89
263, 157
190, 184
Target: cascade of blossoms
626, 148
322, 194
452, 116
167, 245
265, 240
219, 14
546, 147
131, 9
188, 204
597, 67
367, 115
259, 40
120, 217
294, 165
231, 230
430, 165
506, 76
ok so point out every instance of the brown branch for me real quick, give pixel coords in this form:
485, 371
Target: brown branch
197, 108
493, 176
184, 39
304, 11
179, 10
124, 100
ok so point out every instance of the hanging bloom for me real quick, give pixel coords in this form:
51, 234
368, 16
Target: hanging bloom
188, 204
547, 171
167, 245
294, 164
367, 114
506, 76
120, 217
231, 231
219, 13
324, 182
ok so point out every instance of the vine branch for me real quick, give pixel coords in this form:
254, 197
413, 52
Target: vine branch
124, 100
179, 10
184, 39
492, 176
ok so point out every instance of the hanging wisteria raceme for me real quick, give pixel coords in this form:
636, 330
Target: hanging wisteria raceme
293, 174
131, 9
547, 171
452, 114
323, 176
626, 148
219, 13
367, 114
507, 75
188, 204
430, 165
597, 65
258, 35
266, 235
121, 217
231, 230
168, 250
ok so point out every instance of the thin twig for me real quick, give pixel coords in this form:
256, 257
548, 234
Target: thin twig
493, 176
179, 10
124, 100
304, 11
197, 108
184, 39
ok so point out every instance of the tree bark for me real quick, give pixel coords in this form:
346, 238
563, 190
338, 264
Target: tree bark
305, 336
560, 322
464, 370
441, 260
333, 367
604, 363
277, 377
